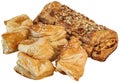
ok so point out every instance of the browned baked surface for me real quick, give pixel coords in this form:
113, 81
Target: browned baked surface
40, 49
96, 39
33, 68
10, 40
72, 59
20, 21
57, 33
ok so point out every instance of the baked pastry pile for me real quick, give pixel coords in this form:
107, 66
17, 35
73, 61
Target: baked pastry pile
57, 34
96, 39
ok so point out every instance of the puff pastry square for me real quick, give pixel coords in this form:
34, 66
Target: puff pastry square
10, 40
33, 68
72, 59
40, 49
17, 22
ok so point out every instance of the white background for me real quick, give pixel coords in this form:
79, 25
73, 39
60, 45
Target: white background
105, 12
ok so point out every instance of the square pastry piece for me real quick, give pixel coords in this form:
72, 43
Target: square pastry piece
10, 40
72, 59
33, 68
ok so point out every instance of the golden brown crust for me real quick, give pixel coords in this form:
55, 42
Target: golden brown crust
17, 22
40, 49
51, 31
55, 34
10, 40
72, 59
49, 8
106, 43
19, 19
78, 25
36, 29
33, 68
